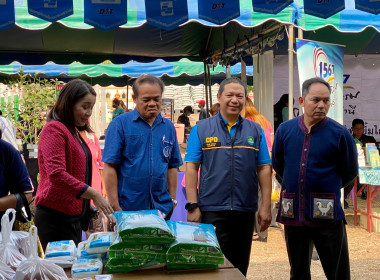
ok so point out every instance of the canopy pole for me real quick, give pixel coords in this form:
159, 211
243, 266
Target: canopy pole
243, 71
290, 57
127, 94
300, 33
209, 85
206, 88
228, 70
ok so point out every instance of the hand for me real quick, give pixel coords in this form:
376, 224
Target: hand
264, 217
194, 216
103, 206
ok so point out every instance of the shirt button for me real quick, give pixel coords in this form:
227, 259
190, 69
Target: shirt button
302, 195
301, 180
303, 164
305, 150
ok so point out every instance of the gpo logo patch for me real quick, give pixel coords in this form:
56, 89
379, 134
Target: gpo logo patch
218, 6
167, 8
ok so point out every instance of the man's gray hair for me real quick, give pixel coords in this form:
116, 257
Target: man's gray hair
229, 81
307, 84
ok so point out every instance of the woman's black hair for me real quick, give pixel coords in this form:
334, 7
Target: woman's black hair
70, 94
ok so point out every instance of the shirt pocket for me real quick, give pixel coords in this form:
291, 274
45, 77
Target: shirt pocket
323, 206
135, 146
288, 206
166, 150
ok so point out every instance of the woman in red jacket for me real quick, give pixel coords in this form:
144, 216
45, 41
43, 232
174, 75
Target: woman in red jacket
64, 191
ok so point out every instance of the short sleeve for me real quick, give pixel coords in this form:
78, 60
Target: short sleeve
263, 156
194, 147
114, 142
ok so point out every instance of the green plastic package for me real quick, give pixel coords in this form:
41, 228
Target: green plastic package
196, 246
143, 227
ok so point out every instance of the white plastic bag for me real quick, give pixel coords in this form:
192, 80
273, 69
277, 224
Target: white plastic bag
276, 190
6, 273
20, 240
9, 253
36, 268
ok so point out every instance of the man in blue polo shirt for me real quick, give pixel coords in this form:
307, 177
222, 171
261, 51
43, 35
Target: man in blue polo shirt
141, 154
234, 158
315, 157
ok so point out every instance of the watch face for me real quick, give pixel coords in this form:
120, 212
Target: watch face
190, 206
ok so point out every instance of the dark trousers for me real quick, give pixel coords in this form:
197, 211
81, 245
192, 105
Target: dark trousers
234, 231
52, 228
331, 245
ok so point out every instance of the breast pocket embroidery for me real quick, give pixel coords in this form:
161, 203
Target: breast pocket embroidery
323, 208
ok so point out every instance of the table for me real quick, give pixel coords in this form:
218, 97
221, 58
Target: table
226, 271
370, 178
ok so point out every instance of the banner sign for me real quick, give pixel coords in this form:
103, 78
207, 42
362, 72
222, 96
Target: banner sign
323, 8
218, 12
316, 59
369, 6
166, 14
105, 14
7, 14
50, 10
270, 6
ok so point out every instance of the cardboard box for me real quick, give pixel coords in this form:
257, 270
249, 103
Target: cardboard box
375, 222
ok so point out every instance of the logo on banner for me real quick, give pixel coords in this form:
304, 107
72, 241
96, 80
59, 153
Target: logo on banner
105, 1
167, 8
218, 6
50, 4
323, 68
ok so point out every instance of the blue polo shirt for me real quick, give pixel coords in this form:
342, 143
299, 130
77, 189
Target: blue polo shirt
143, 154
14, 177
194, 146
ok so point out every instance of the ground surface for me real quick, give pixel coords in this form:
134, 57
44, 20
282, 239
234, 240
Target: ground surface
269, 260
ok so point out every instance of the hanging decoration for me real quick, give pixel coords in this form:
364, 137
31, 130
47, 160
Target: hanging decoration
270, 6
218, 12
166, 14
50, 10
7, 14
323, 8
105, 14
369, 6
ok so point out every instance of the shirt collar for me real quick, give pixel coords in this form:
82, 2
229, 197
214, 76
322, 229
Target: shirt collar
314, 127
226, 122
136, 115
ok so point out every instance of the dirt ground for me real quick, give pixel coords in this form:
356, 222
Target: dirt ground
269, 260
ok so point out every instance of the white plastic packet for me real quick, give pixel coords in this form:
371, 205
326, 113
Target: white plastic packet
6, 273
21, 240
35, 268
100, 242
82, 251
86, 267
9, 253
62, 253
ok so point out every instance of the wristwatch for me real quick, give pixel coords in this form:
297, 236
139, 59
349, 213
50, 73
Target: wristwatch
190, 206
175, 202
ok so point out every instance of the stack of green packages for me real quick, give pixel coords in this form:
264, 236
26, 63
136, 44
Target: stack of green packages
141, 241
196, 246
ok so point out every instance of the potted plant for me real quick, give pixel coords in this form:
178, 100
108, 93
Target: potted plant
36, 97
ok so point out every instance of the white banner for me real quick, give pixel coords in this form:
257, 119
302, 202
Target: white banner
361, 89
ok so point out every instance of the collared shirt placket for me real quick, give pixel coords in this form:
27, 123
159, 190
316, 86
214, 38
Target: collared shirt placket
302, 176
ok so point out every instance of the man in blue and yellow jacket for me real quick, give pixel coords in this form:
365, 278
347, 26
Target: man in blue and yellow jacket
234, 158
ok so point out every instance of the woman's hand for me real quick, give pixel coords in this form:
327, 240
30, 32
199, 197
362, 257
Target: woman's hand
102, 205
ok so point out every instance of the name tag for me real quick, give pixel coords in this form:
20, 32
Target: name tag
211, 145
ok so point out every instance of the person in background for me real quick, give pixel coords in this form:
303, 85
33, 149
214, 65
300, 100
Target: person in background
359, 137
118, 109
122, 105
65, 161
281, 111
141, 154
92, 142
314, 155
202, 113
8, 131
184, 118
214, 109
250, 113
14, 177
233, 157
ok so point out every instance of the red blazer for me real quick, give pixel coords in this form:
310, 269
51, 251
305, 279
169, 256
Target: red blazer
62, 164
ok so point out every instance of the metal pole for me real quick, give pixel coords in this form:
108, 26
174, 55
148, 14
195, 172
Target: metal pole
228, 70
290, 55
209, 84
205, 84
